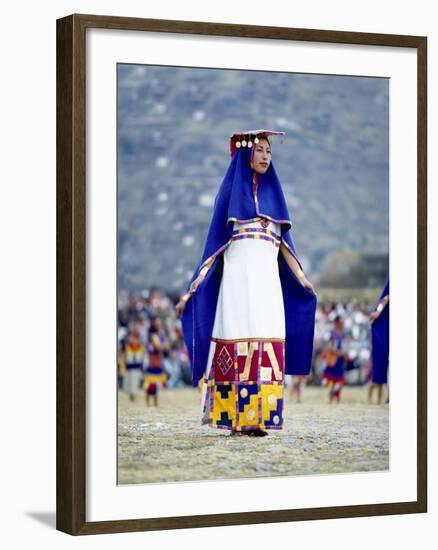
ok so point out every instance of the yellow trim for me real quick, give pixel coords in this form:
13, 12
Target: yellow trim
253, 346
156, 340
272, 357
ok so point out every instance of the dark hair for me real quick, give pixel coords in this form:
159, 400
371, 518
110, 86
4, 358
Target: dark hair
265, 138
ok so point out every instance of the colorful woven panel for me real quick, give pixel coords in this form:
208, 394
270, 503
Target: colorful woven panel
245, 386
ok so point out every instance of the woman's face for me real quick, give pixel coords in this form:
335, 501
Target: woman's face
262, 156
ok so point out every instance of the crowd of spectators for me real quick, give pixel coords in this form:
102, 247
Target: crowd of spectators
356, 340
137, 310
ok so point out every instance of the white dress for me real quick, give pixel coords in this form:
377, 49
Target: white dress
244, 376
250, 301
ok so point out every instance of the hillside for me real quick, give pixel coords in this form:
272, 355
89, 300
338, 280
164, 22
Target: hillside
174, 125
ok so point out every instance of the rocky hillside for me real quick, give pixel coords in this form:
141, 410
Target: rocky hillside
173, 130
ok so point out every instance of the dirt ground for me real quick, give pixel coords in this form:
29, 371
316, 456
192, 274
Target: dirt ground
168, 442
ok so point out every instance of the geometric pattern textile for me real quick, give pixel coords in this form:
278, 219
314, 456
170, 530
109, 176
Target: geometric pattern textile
245, 384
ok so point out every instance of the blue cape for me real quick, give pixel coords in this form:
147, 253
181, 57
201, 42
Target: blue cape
380, 341
238, 200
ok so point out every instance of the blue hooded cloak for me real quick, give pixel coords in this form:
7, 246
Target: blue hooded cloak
380, 341
239, 199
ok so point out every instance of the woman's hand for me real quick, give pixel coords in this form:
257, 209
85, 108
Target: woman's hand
194, 286
374, 315
180, 306
307, 284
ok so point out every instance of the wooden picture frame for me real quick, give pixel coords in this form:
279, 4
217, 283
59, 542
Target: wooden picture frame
71, 272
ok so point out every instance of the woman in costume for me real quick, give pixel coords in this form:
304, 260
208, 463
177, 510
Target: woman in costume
155, 377
380, 344
250, 311
333, 376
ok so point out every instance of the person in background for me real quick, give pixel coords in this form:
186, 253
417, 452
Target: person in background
298, 383
121, 369
133, 355
155, 376
379, 319
333, 376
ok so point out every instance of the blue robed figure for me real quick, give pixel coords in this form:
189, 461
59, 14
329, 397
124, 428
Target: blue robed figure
380, 338
235, 201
